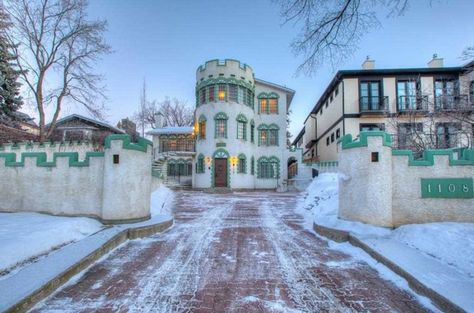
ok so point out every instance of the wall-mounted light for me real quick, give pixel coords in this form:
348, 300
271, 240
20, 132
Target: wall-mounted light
234, 160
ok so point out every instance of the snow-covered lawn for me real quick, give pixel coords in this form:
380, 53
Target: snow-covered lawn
24, 236
449, 243
162, 201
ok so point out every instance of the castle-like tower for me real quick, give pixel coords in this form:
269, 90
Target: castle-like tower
240, 128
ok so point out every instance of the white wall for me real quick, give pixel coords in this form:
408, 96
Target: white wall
100, 189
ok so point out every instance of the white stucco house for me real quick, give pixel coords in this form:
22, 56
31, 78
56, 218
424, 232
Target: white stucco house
240, 129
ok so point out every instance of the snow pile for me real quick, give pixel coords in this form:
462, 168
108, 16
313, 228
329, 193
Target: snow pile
162, 201
450, 243
320, 203
24, 236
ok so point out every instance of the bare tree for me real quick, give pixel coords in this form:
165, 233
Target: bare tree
58, 47
174, 112
331, 30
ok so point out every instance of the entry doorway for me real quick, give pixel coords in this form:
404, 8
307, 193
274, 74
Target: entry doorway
220, 172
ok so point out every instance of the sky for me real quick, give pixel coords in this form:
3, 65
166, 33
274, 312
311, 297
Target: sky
163, 42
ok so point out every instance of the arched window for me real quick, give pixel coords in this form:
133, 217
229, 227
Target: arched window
242, 165
241, 127
268, 135
202, 127
221, 125
268, 103
200, 164
252, 165
252, 131
268, 167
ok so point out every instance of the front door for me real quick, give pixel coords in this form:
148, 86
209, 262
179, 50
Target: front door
220, 173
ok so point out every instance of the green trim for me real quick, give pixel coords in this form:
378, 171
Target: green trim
447, 188
200, 166
202, 118
156, 173
466, 157
220, 154
141, 145
271, 159
41, 158
241, 118
220, 144
241, 158
270, 95
218, 62
348, 143
252, 165
221, 116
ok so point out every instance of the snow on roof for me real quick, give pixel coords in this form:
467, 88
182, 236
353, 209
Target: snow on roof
171, 130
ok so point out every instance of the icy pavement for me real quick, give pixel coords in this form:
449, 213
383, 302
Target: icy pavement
240, 252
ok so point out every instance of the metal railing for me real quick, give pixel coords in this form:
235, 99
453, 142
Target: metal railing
412, 103
453, 102
373, 104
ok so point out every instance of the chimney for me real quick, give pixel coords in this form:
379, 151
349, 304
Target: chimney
368, 64
435, 62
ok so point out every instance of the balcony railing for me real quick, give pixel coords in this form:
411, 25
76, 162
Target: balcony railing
453, 103
412, 103
373, 104
180, 146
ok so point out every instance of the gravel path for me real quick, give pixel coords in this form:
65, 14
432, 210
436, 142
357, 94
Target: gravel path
240, 252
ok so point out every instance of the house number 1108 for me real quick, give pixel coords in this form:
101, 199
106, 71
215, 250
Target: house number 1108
447, 188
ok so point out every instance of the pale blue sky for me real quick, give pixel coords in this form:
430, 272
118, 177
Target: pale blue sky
165, 41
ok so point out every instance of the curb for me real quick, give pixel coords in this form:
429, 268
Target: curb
53, 284
344, 236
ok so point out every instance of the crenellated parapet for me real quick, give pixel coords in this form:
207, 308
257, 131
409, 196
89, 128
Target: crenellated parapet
387, 187
112, 185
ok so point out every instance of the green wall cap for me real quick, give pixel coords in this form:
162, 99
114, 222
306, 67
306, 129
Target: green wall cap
466, 157
348, 143
41, 157
141, 145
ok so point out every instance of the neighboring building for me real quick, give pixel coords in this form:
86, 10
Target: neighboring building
241, 125
173, 154
436, 103
239, 138
77, 127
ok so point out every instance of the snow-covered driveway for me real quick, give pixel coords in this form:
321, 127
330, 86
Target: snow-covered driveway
240, 252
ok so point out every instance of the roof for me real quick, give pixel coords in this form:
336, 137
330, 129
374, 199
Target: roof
373, 72
172, 130
290, 92
88, 120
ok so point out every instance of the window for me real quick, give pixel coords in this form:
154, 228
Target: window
407, 95
337, 91
370, 96
202, 129
241, 130
252, 166
338, 133
332, 137
233, 92
179, 168
268, 167
321, 111
249, 98
447, 134
244, 96
327, 141
268, 135
200, 164
263, 137
241, 95
372, 127
221, 125
211, 94
446, 91
252, 132
202, 96
330, 99
327, 103
273, 137
273, 106
471, 92
263, 105
242, 166
221, 93
406, 134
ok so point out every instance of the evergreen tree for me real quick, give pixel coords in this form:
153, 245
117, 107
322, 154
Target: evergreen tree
10, 100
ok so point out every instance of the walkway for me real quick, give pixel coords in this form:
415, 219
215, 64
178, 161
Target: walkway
240, 252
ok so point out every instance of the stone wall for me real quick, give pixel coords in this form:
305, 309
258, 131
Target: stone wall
111, 185
387, 187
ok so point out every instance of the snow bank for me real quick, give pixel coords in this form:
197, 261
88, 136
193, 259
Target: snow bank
162, 201
450, 243
24, 236
320, 203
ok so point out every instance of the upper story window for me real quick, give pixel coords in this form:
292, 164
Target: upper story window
471, 92
211, 94
268, 103
202, 96
233, 92
252, 131
371, 96
222, 92
241, 127
408, 95
268, 135
448, 135
202, 127
371, 127
221, 125
446, 93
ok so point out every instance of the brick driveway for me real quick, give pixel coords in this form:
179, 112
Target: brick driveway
240, 252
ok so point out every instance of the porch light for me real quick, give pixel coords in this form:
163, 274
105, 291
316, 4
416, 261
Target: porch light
234, 160
221, 95
208, 160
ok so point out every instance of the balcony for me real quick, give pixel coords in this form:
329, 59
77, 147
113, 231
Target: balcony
453, 103
412, 104
373, 105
